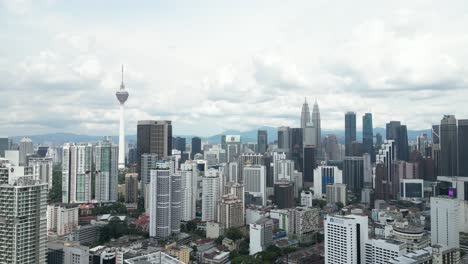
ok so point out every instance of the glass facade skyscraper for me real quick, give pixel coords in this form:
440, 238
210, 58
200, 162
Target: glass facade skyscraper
350, 131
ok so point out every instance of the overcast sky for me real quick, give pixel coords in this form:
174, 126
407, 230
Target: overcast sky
215, 65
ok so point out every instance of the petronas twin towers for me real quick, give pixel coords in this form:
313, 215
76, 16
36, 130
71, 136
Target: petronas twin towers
311, 126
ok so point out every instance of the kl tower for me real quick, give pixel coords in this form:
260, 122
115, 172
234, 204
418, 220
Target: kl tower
122, 96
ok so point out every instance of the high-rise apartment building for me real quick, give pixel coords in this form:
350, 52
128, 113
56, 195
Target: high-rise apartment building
107, 174
350, 131
230, 211
42, 169
165, 207
77, 165
344, 239
154, 136
368, 136
23, 210
262, 141
189, 174
337, 193
211, 193
62, 219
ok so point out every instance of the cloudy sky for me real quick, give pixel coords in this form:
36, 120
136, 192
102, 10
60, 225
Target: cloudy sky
215, 65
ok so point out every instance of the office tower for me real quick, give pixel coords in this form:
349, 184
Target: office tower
122, 96
42, 151
336, 193
230, 212
367, 166
269, 169
233, 172
350, 131
131, 188
444, 222
398, 132
4, 145
42, 169
306, 198
107, 174
353, 173
378, 140
154, 137
317, 127
448, 146
284, 194
324, 175
435, 134
77, 162
403, 170
62, 219
463, 147
331, 148
178, 143
60, 251
345, 237
165, 201
262, 141
305, 114
23, 210
296, 147
261, 235
247, 159
25, 148
356, 149
283, 170
368, 136
309, 165
189, 176
196, 146
386, 156
422, 144
283, 138
223, 142
233, 147
211, 193
380, 181
255, 182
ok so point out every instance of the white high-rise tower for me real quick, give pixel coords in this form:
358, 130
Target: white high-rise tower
122, 96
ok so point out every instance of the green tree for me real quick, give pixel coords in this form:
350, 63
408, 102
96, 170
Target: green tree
55, 194
340, 205
219, 240
319, 202
246, 259
234, 233
191, 226
244, 247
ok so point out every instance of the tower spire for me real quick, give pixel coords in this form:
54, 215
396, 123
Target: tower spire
122, 85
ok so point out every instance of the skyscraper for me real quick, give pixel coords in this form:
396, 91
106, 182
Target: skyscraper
296, 147
25, 148
196, 146
448, 146
309, 166
255, 182
435, 134
398, 132
77, 161
331, 148
305, 114
444, 222
345, 237
463, 147
368, 135
189, 174
154, 137
350, 131
165, 207
178, 143
317, 127
122, 96
284, 194
262, 141
211, 193
131, 188
42, 169
23, 210
283, 138
106, 162
4, 145
230, 211
233, 147
384, 180
353, 173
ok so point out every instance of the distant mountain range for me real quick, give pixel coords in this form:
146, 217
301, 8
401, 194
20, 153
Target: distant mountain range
246, 136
